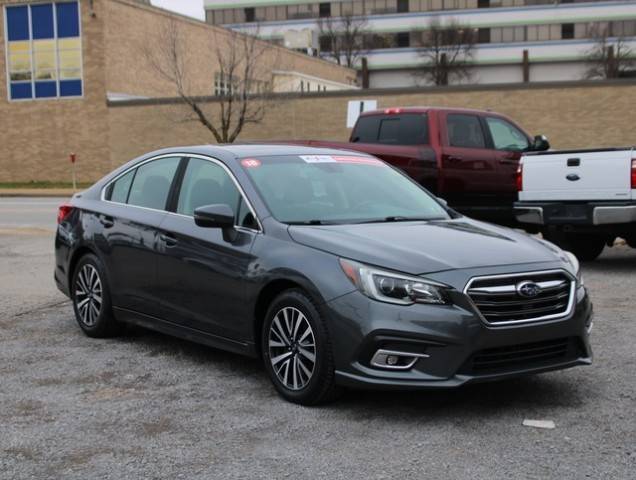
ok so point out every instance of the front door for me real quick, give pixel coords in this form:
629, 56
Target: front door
201, 272
470, 179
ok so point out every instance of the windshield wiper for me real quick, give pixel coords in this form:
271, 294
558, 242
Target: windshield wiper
398, 218
312, 222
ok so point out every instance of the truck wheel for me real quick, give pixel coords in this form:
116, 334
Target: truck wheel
586, 247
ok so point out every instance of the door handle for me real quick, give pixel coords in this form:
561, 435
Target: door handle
455, 158
169, 240
106, 221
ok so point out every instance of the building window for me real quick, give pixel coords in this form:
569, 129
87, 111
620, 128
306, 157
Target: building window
324, 9
224, 84
567, 31
250, 14
483, 3
403, 6
483, 35
403, 39
44, 50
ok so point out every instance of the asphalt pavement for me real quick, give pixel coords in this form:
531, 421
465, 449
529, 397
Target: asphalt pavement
148, 406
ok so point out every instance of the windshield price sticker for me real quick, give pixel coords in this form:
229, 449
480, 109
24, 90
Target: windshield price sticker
340, 159
318, 158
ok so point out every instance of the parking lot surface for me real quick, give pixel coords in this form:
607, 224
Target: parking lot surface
149, 406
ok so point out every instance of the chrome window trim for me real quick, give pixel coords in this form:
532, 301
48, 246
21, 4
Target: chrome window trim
567, 313
181, 155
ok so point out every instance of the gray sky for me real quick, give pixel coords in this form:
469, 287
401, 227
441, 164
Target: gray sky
193, 8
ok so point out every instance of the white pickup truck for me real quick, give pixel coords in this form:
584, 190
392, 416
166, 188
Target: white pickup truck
581, 200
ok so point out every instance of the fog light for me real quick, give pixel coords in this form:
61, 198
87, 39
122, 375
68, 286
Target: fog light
393, 360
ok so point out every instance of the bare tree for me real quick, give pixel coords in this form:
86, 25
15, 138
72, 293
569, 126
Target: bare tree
243, 83
343, 38
447, 52
608, 57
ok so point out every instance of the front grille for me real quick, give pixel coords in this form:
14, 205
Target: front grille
528, 355
500, 301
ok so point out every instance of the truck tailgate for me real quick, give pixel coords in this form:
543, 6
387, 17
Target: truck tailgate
585, 175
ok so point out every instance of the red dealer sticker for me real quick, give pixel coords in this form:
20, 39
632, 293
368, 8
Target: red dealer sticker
250, 163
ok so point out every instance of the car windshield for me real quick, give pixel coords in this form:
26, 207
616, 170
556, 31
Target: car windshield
324, 189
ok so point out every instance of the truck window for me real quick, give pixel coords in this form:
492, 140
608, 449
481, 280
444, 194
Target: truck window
406, 129
464, 131
506, 136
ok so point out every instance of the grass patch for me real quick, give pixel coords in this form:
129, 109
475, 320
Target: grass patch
43, 185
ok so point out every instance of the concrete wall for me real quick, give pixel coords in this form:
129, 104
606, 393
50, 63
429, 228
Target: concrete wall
575, 115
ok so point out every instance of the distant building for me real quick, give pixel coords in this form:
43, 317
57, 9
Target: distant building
556, 34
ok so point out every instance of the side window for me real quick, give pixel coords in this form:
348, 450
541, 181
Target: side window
389, 131
151, 185
206, 183
506, 136
366, 130
118, 190
464, 131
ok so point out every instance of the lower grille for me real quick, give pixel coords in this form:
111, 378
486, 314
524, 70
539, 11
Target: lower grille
519, 298
528, 355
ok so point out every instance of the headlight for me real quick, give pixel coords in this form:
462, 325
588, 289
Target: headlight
576, 266
392, 287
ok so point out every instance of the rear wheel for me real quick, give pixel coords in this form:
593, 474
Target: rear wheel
297, 350
586, 247
91, 299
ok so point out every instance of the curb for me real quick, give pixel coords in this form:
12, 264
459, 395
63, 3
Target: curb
35, 193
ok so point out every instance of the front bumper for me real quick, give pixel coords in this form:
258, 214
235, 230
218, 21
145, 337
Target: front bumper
572, 213
451, 338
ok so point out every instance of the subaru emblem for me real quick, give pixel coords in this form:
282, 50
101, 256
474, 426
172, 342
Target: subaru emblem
528, 289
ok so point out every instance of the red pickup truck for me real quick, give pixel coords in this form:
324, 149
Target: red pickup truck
468, 157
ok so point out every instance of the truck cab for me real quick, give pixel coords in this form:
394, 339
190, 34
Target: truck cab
468, 157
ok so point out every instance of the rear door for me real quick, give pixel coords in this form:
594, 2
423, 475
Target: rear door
201, 272
134, 208
401, 139
591, 175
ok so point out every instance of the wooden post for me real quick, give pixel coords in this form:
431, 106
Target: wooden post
365, 72
444, 68
612, 71
525, 65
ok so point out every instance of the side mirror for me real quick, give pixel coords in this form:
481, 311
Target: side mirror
214, 216
541, 143
442, 201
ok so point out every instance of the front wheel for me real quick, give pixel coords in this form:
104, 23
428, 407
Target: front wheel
297, 350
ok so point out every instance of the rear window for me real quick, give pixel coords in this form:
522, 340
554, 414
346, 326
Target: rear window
405, 129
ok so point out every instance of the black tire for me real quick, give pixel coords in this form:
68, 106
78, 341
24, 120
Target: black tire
586, 247
631, 240
91, 299
320, 386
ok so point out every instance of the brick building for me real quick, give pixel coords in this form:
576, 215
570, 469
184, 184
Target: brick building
65, 61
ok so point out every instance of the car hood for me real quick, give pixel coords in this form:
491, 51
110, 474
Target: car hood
425, 247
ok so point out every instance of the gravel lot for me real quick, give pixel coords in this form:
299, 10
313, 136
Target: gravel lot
149, 406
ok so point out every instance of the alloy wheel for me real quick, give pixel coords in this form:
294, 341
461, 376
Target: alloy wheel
88, 295
292, 348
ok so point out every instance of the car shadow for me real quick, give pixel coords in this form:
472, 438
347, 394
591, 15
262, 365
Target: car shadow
618, 259
529, 394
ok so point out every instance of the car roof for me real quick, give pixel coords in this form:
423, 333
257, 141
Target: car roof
230, 152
